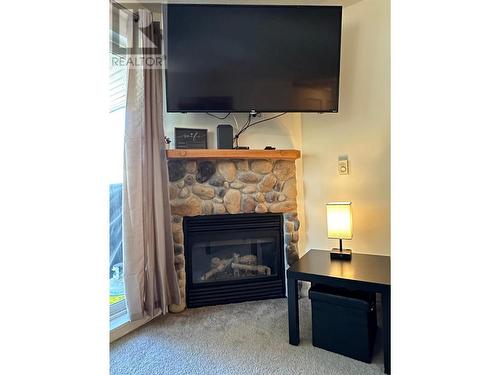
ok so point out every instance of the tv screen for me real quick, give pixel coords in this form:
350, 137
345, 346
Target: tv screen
242, 58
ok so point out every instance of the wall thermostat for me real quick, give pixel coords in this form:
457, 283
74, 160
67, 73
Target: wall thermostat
343, 167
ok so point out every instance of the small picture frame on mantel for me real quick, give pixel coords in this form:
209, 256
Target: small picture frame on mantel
189, 138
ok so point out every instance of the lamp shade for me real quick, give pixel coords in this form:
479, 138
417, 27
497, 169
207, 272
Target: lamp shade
339, 220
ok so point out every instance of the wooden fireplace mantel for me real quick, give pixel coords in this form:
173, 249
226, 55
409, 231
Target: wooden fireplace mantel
232, 154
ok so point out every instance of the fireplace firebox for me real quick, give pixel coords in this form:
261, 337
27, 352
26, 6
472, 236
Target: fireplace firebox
233, 258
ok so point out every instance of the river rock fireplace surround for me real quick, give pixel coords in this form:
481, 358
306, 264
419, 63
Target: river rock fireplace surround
250, 188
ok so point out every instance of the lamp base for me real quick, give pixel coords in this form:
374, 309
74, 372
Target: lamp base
344, 254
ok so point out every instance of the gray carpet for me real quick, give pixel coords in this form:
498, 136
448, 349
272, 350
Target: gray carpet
243, 338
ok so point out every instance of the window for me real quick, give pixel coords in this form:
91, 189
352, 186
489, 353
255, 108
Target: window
115, 135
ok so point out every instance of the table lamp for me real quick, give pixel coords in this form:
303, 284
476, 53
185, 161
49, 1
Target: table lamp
339, 221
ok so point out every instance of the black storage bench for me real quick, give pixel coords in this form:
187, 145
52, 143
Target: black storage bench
343, 321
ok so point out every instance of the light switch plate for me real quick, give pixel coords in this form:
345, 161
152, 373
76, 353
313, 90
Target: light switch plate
343, 167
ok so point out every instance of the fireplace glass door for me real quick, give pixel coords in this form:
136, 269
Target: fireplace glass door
232, 258
242, 255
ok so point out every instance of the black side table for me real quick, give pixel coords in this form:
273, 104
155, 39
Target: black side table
371, 273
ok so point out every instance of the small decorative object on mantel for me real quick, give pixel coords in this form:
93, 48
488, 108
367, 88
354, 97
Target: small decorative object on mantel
339, 220
187, 138
167, 142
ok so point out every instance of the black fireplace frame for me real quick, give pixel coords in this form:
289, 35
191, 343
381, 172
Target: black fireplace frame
233, 291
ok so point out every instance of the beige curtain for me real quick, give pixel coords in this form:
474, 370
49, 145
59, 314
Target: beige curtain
148, 250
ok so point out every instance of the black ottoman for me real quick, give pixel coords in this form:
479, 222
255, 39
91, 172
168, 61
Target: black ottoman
343, 321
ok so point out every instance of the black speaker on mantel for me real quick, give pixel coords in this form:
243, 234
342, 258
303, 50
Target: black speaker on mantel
224, 136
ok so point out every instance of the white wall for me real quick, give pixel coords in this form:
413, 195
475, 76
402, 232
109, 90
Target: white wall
361, 130
281, 132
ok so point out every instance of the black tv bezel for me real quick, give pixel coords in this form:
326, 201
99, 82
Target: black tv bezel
250, 110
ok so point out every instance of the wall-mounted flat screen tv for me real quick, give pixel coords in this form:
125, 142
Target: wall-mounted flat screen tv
243, 58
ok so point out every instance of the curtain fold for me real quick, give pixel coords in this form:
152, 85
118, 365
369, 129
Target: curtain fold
148, 250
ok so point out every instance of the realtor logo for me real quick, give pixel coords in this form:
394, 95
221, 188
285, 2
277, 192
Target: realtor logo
135, 39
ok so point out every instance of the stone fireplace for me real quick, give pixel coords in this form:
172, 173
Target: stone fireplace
218, 183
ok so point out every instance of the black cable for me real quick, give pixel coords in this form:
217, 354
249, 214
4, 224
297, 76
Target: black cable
250, 124
219, 118
243, 128
247, 124
235, 138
